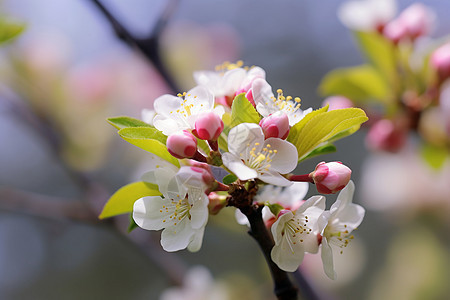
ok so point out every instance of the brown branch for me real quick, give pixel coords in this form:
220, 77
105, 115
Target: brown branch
148, 46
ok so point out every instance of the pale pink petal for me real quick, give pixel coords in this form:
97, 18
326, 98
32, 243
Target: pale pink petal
236, 166
286, 158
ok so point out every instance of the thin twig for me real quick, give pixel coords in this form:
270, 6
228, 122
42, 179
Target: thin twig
148, 46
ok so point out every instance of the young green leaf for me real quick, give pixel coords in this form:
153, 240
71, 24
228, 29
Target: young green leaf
325, 127
294, 131
122, 201
9, 30
125, 122
361, 83
320, 150
132, 224
148, 139
229, 179
242, 111
379, 51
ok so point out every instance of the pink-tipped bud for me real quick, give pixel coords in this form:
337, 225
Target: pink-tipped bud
208, 127
331, 177
216, 202
182, 144
276, 125
440, 60
384, 135
418, 20
395, 31
337, 102
200, 177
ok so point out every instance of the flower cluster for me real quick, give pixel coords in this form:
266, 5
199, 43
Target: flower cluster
219, 143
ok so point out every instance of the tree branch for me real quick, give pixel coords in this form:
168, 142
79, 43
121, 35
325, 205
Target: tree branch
148, 46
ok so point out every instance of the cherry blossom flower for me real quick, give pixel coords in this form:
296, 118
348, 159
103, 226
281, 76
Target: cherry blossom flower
267, 104
182, 213
295, 232
228, 80
337, 224
290, 197
253, 157
175, 113
367, 15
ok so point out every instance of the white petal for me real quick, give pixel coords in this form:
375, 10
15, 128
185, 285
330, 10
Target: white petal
297, 191
314, 201
327, 259
262, 93
199, 212
147, 213
202, 99
147, 115
278, 226
177, 237
322, 222
154, 164
241, 218
264, 110
286, 158
197, 240
168, 126
175, 190
351, 216
274, 178
243, 136
287, 258
236, 166
295, 117
167, 103
232, 80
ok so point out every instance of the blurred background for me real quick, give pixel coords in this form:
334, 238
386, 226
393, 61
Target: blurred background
60, 160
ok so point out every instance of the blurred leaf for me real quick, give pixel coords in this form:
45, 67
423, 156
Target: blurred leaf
9, 30
275, 208
149, 139
230, 178
321, 127
132, 224
320, 150
434, 156
124, 122
379, 51
122, 201
242, 111
359, 83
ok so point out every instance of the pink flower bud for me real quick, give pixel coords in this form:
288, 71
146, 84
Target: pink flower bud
276, 125
182, 144
196, 176
395, 31
216, 202
384, 135
337, 102
440, 60
418, 20
331, 177
208, 127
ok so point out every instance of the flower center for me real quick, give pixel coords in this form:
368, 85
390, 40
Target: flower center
227, 66
294, 229
260, 161
177, 211
286, 104
338, 235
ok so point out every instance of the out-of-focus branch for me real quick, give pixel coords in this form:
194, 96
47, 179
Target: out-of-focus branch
148, 46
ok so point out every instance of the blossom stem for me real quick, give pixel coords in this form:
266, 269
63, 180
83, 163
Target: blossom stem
221, 186
199, 157
301, 178
214, 145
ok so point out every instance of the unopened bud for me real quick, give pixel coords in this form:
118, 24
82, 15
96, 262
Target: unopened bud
208, 127
331, 177
216, 202
276, 125
418, 20
440, 60
182, 144
395, 31
384, 135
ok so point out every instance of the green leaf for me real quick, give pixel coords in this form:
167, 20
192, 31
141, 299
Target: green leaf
132, 224
230, 178
320, 150
359, 83
434, 156
149, 139
295, 130
379, 51
125, 122
242, 111
9, 30
324, 127
122, 201
275, 208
